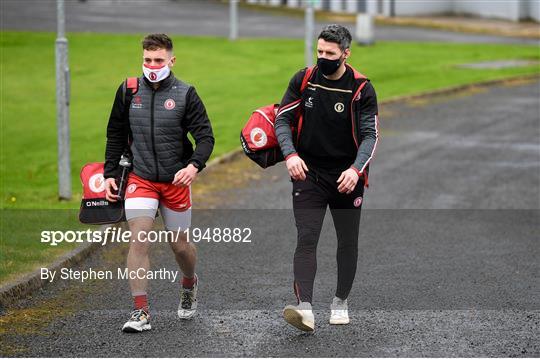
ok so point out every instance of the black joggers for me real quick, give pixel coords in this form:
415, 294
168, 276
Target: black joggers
310, 199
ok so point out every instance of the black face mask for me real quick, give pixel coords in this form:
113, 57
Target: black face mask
328, 67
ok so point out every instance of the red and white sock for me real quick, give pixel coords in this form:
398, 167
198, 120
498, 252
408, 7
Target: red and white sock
140, 301
188, 283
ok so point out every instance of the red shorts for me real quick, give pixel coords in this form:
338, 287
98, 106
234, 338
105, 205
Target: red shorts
173, 197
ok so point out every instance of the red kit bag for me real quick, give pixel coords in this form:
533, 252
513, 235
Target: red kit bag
258, 137
95, 209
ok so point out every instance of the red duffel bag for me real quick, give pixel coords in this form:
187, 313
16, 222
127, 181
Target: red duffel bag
95, 209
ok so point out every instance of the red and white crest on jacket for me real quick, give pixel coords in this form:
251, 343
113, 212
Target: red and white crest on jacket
169, 104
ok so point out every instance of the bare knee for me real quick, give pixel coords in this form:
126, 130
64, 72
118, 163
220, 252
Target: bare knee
180, 246
138, 246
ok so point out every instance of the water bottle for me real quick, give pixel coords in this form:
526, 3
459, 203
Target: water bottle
125, 163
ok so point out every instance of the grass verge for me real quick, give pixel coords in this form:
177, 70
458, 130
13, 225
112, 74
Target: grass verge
233, 78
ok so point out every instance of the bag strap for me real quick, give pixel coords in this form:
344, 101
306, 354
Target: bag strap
129, 88
299, 119
307, 77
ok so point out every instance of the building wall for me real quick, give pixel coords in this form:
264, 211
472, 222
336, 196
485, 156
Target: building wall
293, 3
420, 7
371, 7
351, 6
322, 5
513, 10
336, 5
508, 9
534, 10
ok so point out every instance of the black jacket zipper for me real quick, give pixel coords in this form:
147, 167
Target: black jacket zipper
152, 134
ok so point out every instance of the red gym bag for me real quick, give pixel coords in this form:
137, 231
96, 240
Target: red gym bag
258, 137
95, 209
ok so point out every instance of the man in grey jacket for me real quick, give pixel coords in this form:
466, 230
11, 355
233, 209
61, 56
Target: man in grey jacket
328, 158
154, 125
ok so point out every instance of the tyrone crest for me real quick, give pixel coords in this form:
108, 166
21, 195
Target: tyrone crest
96, 183
258, 137
169, 104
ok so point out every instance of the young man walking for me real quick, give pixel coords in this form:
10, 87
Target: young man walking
154, 126
336, 120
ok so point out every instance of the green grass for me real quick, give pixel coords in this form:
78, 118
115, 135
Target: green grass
21, 249
233, 78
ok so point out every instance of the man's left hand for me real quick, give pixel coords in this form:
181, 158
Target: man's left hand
185, 176
347, 181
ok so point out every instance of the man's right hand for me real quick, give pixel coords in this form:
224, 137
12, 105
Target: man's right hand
110, 184
297, 168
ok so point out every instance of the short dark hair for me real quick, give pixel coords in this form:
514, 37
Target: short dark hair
154, 42
338, 34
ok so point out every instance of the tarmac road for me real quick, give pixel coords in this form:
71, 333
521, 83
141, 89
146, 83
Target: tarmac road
448, 259
195, 17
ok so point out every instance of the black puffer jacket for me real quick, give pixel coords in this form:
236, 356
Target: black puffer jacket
158, 124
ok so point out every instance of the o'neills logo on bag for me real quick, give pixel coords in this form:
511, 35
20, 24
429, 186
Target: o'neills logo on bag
96, 183
258, 137
95, 209
99, 203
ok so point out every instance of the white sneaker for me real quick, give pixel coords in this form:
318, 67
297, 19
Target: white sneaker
339, 311
188, 301
138, 322
300, 316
